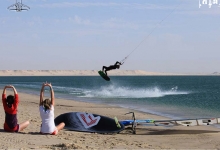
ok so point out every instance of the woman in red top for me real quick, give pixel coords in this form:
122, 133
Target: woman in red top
10, 104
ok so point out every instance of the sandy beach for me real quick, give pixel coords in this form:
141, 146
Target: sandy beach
153, 137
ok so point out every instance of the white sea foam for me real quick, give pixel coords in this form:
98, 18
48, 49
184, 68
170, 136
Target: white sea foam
113, 91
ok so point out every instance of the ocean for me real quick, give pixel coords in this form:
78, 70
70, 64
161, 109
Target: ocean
176, 97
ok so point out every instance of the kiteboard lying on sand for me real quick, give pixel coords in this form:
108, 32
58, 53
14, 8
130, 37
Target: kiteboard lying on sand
87, 122
183, 122
103, 75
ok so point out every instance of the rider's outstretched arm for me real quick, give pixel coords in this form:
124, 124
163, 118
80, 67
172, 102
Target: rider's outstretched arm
117, 63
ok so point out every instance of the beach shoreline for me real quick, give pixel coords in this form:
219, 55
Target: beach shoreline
149, 137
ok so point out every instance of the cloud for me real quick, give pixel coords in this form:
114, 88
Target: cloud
207, 11
79, 20
111, 4
118, 23
75, 4
113, 23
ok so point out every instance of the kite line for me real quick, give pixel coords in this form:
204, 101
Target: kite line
123, 60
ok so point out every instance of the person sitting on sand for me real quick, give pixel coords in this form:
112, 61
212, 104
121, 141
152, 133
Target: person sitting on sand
10, 104
46, 108
115, 66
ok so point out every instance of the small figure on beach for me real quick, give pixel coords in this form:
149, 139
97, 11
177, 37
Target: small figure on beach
46, 108
115, 66
10, 104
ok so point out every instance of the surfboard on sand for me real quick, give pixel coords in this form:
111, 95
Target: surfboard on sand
103, 75
183, 122
169, 123
87, 122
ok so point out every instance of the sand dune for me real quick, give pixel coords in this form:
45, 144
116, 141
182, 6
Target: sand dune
76, 72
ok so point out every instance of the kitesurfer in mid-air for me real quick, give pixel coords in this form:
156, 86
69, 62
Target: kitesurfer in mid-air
115, 66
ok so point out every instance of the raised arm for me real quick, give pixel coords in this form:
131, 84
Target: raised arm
52, 94
4, 91
42, 94
9, 86
117, 62
15, 91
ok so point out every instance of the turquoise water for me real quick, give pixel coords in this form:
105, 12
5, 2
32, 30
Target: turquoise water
171, 96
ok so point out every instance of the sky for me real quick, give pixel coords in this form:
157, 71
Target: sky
170, 36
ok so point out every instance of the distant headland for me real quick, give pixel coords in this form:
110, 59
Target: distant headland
86, 73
